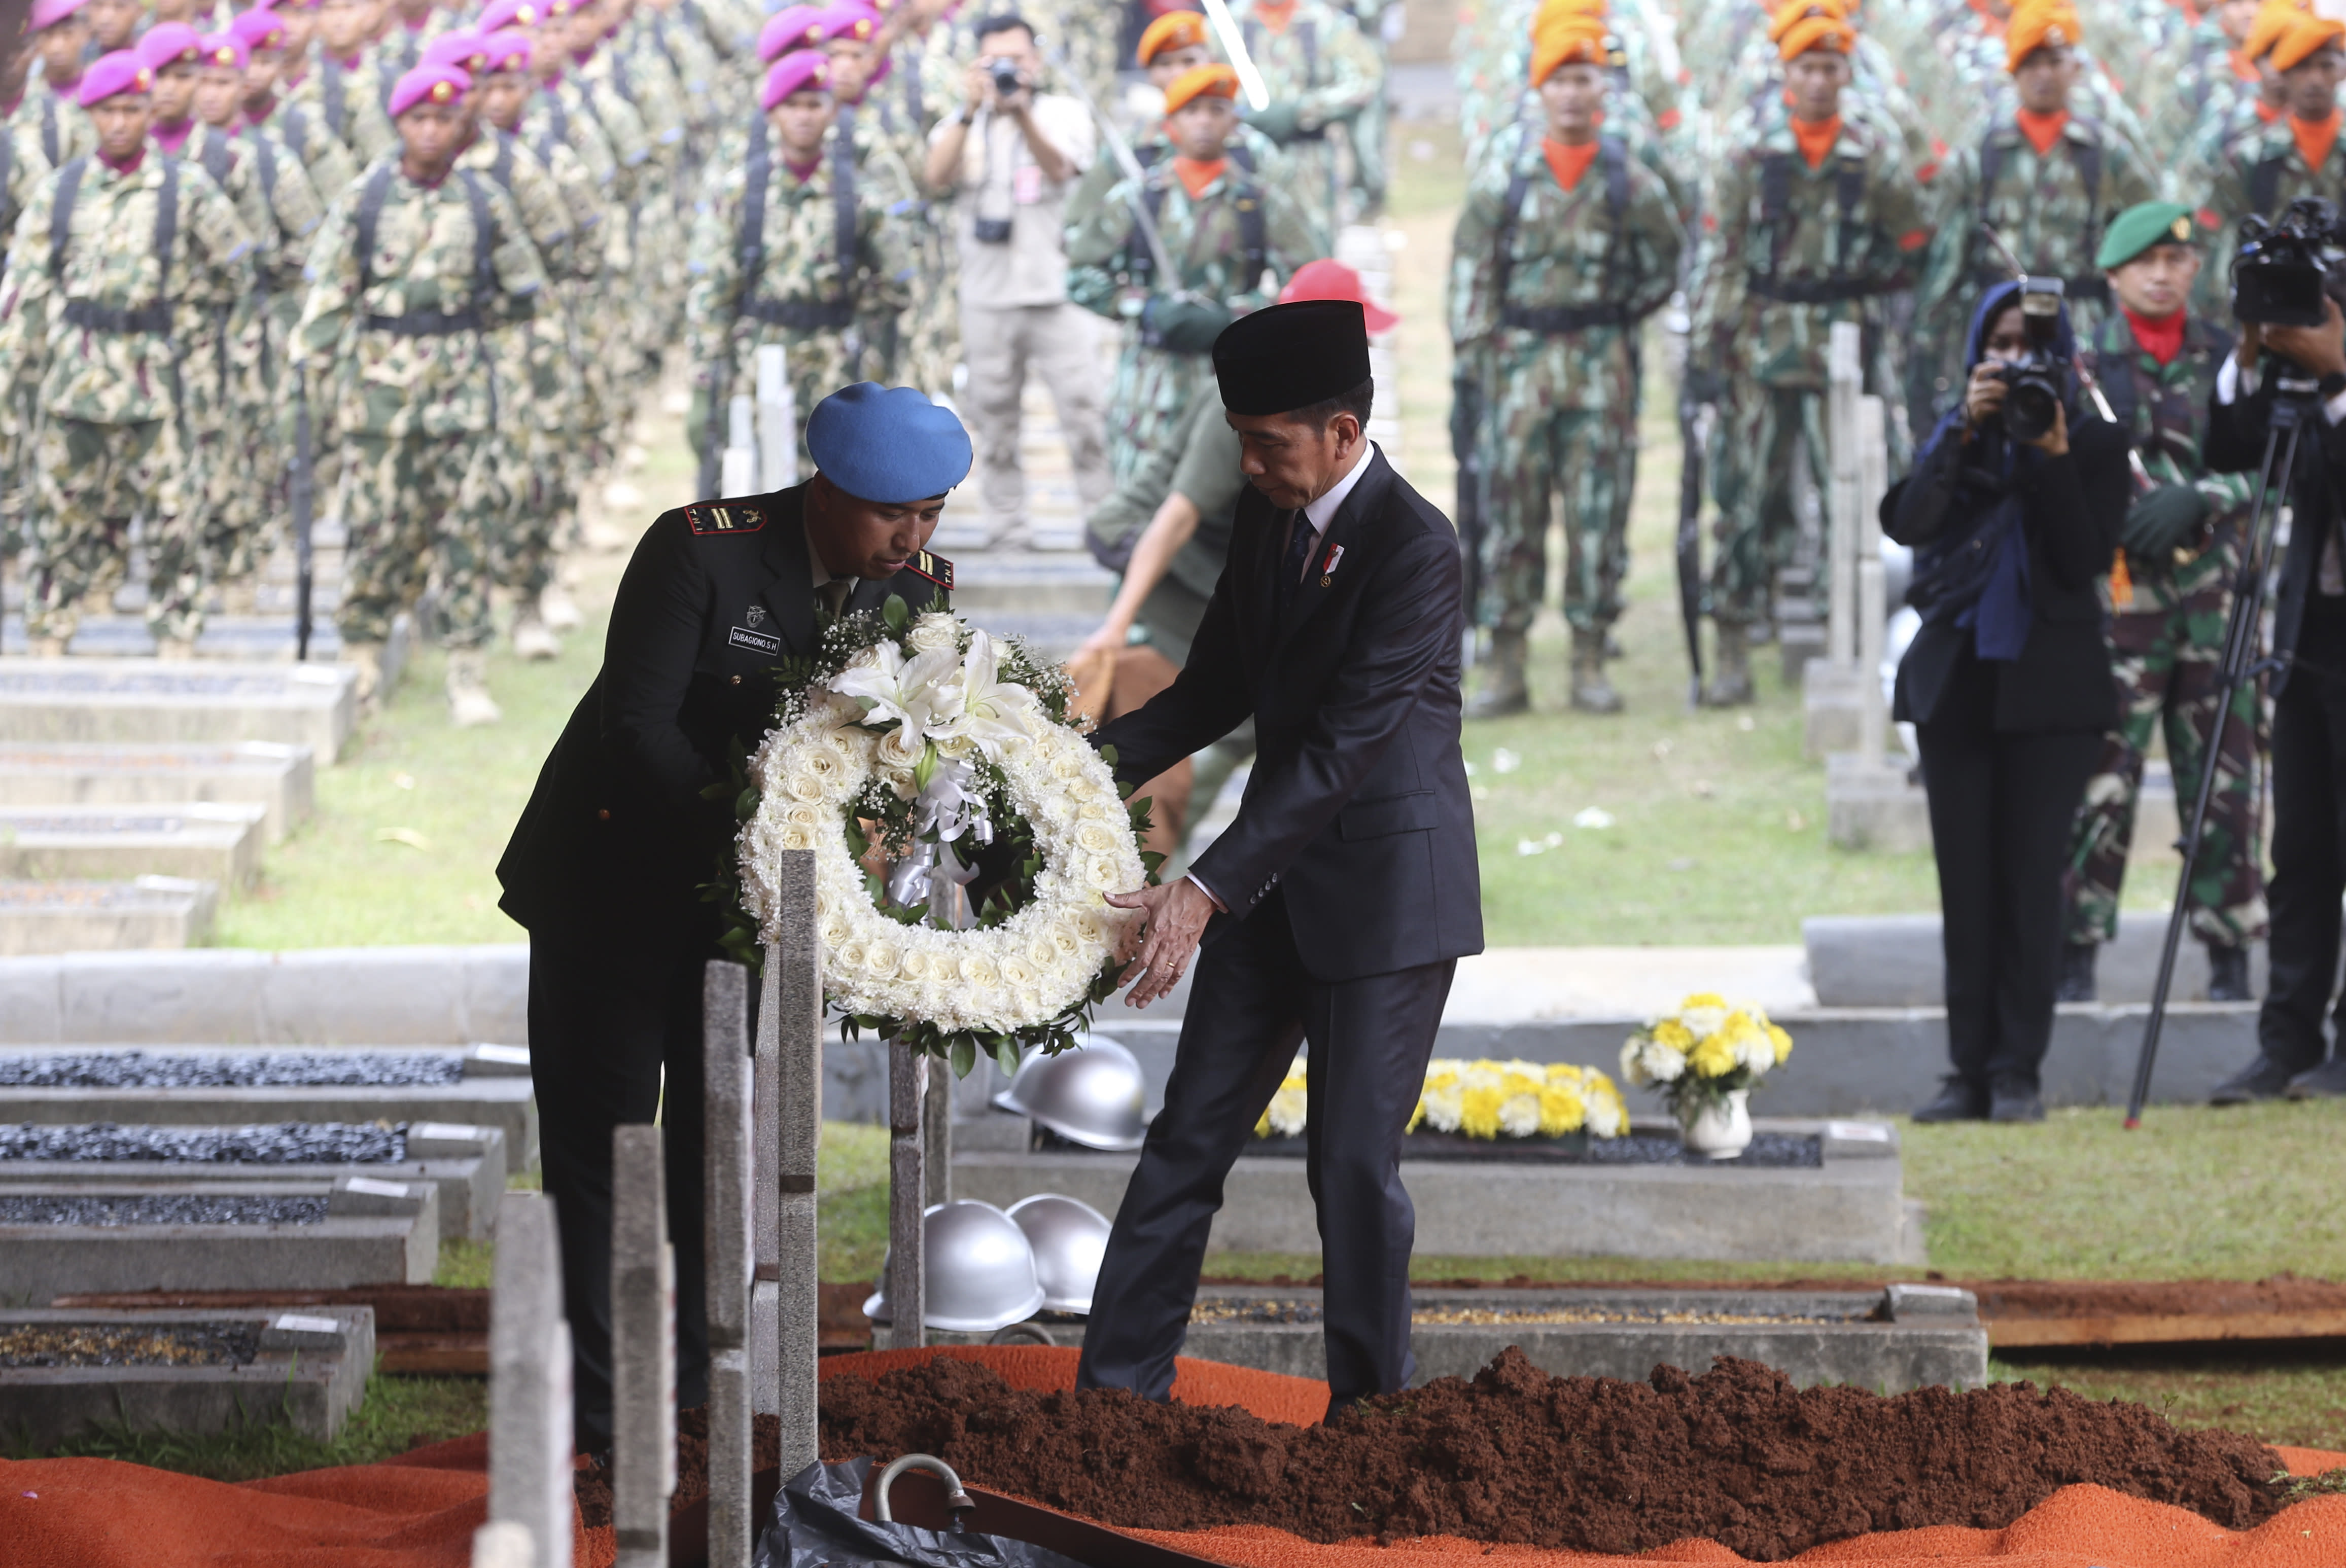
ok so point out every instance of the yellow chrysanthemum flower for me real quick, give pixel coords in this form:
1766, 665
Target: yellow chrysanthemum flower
1714, 1058
1702, 999
1478, 1112
1781, 1041
1669, 1032
1562, 1111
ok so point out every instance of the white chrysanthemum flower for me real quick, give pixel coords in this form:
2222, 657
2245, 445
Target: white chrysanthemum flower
1444, 1108
1519, 1115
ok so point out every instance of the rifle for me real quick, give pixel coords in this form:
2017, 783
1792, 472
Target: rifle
1134, 176
1694, 424
1226, 28
304, 498
1465, 423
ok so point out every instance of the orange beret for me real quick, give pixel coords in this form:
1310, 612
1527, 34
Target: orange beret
1783, 21
1564, 40
1200, 81
2036, 26
1551, 9
2272, 20
1173, 30
2305, 32
1806, 25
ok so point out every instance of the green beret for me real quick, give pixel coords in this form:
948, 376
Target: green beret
2140, 227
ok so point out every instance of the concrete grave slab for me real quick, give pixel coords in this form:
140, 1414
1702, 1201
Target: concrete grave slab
218, 843
72, 916
1894, 961
218, 1368
41, 1260
277, 777
146, 701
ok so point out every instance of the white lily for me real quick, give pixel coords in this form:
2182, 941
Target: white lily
894, 689
974, 707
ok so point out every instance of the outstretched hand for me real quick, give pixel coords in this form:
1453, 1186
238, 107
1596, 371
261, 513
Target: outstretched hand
1173, 918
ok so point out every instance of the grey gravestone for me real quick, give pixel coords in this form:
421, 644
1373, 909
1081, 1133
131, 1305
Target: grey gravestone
204, 843
731, 1257
79, 915
280, 778
794, 1005
529, 1383
146, 701
643, 1348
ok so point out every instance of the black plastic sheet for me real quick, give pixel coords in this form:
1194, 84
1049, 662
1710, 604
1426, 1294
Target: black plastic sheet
816, 1525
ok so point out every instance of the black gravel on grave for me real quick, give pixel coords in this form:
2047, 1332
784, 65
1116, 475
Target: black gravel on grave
129, 1345
237, 1070
1767, 1151
160, 1208
282, 1144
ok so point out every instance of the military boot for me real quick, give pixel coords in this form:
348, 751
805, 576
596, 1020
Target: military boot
2077, 983
532, 639
469, 702
2227, 974
1591, 692
175, 650
558, 610
367, 659
1731, 683
1503, 691
48, 647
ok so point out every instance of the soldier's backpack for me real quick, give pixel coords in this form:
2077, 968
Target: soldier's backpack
87, 313
335, 98
1775, 212
1612, 166
750, 238
428, 323
51, 133
1254, 234
2087, 157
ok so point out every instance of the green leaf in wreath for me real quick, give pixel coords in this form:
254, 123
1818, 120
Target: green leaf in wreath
1006, 1056
717, 792
745, 805
964, 1055
895, 613
1108, 755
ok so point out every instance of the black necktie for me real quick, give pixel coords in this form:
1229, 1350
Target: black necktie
1300, 540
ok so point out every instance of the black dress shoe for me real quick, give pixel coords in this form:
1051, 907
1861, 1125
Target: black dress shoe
2324, 1082
2015, 1103
1958, 1100
2227, 974
2263, 1079
2077, 972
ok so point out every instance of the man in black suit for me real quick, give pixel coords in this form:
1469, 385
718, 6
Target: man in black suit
606, 866
1335, 908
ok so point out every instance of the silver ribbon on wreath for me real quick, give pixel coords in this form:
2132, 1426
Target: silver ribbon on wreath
934, 874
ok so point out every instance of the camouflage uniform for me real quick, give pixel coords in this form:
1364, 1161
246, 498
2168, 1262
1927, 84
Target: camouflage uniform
323, 157
89, 328
23, 168
2044, 209
1320, 65
242, 447
396, 341
1493, 61
1974, 46
1776, 274
348, 97
1557, 358
610, 139
2167, 647
1212, 240
809, 294
57, 125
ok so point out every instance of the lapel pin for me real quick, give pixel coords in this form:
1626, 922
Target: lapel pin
1327, 568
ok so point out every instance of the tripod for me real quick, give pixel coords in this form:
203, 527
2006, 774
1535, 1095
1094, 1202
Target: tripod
2295, 403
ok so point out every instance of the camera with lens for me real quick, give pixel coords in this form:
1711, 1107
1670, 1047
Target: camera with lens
2283, 267
1005, 73
990, 230
2038, 380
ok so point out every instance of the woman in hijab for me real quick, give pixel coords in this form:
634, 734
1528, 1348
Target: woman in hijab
2007, 684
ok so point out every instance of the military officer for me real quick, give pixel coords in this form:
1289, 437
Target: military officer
1556, 259
346, 91
59, 34
267, 36
417, 265
2169, 597
606, 865
132, 239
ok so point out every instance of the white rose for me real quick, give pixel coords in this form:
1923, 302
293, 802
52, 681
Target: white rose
899, 750
848, 955
1016, 972
933, 631
1103, 873
801, 814
1097, 838
832, 930
955, 746
795, 836
827, 765
1066, 939
882, 958
915, 965
1066, 768
980, 971
1092, 810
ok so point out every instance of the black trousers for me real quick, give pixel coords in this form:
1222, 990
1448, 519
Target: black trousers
2001, 809
615, 1038
2309, 843
1370, 1039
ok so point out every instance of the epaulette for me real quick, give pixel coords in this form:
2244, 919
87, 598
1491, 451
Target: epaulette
725, 516
935, 568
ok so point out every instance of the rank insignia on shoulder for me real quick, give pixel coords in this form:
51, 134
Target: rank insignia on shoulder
935, 568
724, 517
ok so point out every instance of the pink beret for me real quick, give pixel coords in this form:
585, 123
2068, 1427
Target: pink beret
461, 47
226, 49
850, 19
119, 72
167, 43
49, 13
435, 84
259, 28
501, 15
508, 51
794, 28
799, 71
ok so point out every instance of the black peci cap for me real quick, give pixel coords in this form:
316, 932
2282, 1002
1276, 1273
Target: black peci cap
1286, 357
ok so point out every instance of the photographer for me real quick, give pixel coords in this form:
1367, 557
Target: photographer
1015, 153
2309, 690
2013, 509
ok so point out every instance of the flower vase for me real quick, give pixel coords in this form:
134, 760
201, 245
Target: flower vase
1722, 1129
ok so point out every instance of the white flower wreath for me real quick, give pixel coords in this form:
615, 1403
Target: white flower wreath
928, 712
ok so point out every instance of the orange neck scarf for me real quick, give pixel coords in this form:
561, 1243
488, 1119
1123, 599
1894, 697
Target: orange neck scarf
2315, 139
1816, 141
2042, 130
1196, 174
1275, 15
1567, 162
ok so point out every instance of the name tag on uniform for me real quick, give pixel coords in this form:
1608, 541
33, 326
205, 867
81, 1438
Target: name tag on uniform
756, 642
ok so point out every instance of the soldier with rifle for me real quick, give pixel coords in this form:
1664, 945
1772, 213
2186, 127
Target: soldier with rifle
1559, 255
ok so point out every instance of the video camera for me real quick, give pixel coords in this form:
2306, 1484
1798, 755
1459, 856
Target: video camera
2283, 268
2039, 379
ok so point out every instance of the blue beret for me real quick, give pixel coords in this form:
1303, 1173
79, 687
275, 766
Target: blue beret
889, 444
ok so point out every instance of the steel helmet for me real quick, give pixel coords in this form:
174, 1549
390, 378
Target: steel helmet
1093, 1095
1069, 1238
980, 1271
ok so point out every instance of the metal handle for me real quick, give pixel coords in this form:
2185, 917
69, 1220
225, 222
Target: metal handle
957, 1501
